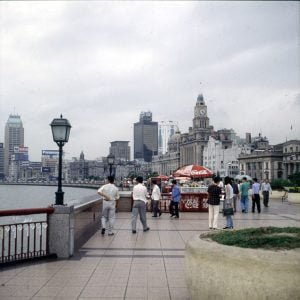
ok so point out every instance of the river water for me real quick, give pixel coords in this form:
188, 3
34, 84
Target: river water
28, 196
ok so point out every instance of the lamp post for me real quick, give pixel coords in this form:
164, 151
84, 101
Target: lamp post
61, 131
110, 161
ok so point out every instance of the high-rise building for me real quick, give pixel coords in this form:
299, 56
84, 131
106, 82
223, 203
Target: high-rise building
145, 137
14, 137
1, 160
165, 131
19, 161
120, 150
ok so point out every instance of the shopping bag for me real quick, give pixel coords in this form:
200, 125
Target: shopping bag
228, 211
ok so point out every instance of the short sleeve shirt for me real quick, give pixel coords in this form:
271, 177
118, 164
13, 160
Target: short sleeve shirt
214, 193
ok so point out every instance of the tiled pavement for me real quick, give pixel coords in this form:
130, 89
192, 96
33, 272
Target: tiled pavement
147, 265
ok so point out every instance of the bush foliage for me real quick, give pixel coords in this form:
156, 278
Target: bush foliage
270, 238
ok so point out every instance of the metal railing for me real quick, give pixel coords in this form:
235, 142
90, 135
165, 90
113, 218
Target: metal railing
23, 239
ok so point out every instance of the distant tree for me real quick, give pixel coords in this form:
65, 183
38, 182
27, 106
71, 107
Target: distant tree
295, 179
280, 183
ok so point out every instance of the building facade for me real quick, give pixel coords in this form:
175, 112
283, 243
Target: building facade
19, 160
13, 137
264, 161
145, 137
165, 131
1, 161
121, 150
221, 157
192, 143
291, 157
49, 164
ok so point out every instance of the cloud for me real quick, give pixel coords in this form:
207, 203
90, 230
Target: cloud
101, 63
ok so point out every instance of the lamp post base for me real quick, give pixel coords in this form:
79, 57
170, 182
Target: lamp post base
59, 199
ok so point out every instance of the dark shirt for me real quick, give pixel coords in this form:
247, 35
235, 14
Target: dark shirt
235, 188
214, 193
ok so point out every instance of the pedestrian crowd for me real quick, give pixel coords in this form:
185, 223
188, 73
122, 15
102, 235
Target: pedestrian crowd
230, 191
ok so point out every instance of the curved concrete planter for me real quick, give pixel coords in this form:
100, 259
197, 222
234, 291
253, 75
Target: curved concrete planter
294, 198
215, 271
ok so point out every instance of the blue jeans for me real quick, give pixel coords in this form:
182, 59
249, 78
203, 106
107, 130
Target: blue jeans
244, 203
229, 221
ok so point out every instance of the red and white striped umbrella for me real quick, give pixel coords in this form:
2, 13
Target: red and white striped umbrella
194, 171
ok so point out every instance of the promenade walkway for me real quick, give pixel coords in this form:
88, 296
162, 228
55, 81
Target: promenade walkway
147, 265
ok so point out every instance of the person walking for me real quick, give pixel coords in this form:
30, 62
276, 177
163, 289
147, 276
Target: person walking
110, 194
228, 202
176, 197
155, 196
236, 192
214, 195
244, 188
266, 190
255, 196
140, 198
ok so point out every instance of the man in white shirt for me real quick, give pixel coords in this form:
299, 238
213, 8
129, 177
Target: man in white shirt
110, 194
155, 197
140, 198
266, 190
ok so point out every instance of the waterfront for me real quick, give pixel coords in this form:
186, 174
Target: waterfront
24, 196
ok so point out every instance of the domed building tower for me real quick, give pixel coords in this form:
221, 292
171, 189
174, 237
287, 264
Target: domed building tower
174, 142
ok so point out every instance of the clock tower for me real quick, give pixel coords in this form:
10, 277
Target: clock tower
193, 143
200, 119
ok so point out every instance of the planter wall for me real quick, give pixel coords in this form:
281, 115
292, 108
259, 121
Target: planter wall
294, 198
215, 271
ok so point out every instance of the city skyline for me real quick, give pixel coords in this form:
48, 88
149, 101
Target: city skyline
101, 64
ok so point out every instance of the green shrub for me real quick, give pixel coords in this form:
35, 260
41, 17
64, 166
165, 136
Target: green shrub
280, 183
295, 179
270, 238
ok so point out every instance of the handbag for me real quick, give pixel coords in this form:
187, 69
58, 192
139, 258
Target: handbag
228, 211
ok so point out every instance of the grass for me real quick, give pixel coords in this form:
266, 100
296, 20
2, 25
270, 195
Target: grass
270, 238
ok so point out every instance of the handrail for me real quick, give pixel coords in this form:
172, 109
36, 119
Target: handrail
21, 241
26, 211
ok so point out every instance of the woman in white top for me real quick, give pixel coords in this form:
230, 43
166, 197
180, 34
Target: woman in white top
155, 197
228, 202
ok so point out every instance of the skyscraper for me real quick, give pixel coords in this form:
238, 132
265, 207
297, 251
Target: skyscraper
145, 137
13, 137
1, 160
165, 131
120, 150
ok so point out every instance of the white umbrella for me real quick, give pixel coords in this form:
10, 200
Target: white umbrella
240, 177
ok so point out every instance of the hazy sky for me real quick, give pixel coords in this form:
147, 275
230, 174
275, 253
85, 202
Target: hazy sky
101, 63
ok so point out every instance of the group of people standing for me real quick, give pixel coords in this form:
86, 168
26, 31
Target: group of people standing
234, 191
140, 196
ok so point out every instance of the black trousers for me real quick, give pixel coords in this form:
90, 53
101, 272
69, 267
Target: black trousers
174, 209
266, 198
156, 210
256, 201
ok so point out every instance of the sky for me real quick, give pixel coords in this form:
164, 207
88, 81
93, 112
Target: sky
101, 63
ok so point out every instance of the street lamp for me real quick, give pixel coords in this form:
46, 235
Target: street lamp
61, 132
110, 161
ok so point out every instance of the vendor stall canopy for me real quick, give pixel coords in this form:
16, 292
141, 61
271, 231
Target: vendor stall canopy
194, 171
